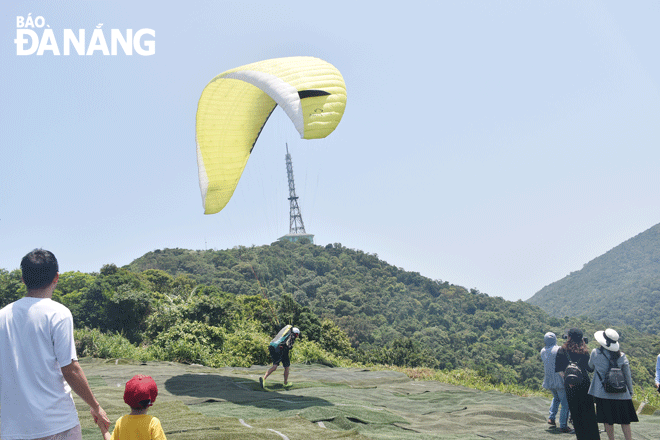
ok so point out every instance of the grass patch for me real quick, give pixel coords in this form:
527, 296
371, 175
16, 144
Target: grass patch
94, 343
472, 379
465, 377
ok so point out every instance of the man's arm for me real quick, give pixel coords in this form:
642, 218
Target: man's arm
75, 377
290, 340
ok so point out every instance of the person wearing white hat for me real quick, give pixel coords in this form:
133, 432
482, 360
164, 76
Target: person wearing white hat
279, 349
611, 408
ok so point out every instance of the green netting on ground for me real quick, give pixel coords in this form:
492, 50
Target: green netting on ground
197, 402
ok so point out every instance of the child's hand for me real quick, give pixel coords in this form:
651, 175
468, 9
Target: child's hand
100, 417
104, 432
103, 427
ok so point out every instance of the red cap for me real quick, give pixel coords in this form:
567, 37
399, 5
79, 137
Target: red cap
141, 392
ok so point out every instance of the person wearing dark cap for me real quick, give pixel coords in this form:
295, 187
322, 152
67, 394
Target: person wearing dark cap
612, 408
140, 393
580, 403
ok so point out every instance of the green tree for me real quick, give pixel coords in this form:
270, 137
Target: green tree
334, 339
162, 281
127, 312
214, 307
11, 287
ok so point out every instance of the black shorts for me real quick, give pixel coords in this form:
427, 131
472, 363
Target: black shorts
278, 356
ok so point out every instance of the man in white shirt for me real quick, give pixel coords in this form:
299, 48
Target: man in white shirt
38, 362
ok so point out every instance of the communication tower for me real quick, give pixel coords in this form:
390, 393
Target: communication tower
296, 225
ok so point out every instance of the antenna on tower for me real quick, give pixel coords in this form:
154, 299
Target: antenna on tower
296, 225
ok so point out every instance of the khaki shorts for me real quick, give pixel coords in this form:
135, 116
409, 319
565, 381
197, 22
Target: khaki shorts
74, 433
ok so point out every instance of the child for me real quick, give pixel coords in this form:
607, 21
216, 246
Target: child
140, 394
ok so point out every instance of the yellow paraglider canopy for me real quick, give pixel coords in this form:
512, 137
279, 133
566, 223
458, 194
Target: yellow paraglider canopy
236, 104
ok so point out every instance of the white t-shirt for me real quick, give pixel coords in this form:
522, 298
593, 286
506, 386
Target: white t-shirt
36, 340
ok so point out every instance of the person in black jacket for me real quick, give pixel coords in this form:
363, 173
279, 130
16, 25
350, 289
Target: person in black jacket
580, 403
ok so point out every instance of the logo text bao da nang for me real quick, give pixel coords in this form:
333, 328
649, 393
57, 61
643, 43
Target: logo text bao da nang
34, 36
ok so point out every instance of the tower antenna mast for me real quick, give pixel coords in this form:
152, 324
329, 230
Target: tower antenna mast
296, 225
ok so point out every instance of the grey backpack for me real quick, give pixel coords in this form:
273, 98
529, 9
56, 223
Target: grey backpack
614, 380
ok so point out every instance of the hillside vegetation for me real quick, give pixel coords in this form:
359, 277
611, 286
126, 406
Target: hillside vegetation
390, 315
220, 308
621, 287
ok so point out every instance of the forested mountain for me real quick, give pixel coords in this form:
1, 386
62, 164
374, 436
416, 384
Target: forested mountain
221, 307
386, 311
621, 286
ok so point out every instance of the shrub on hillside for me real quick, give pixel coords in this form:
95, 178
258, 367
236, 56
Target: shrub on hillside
94, 343
184, 351
189, 342
334, 339
309, 352
244, 348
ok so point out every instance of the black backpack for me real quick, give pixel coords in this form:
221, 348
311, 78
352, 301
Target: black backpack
572, 373
614, 381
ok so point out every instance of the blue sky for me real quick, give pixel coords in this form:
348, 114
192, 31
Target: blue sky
494, 145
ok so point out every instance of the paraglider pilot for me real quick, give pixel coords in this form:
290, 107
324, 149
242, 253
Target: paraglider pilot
279, 349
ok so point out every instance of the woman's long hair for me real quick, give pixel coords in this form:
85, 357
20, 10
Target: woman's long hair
578, 347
